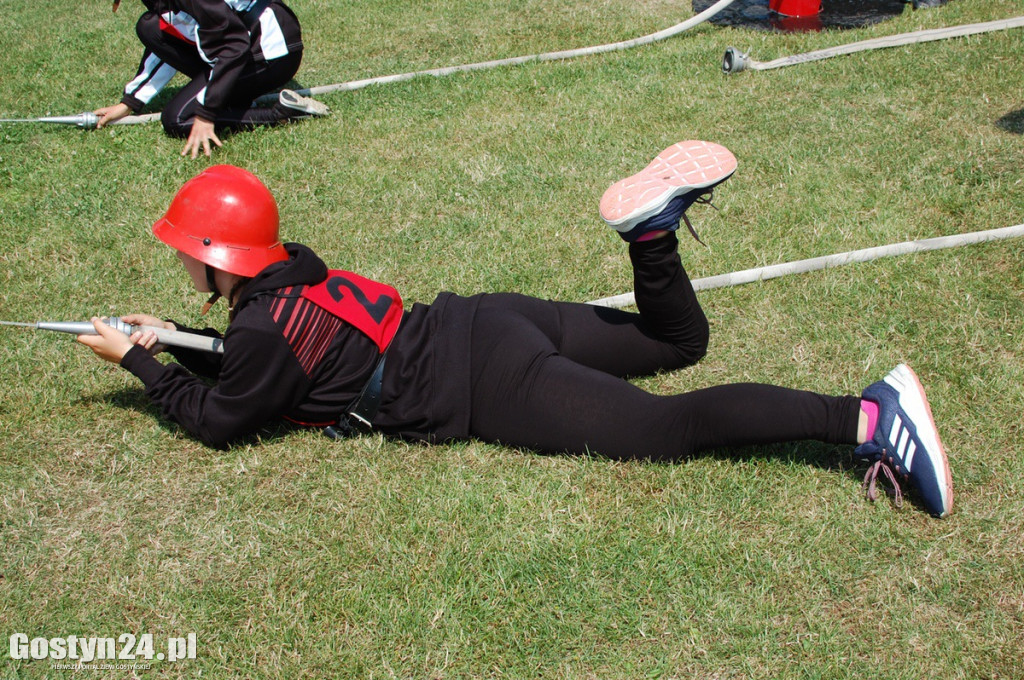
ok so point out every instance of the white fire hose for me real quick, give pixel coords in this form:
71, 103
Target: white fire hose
828, 261
547, 56
735, 61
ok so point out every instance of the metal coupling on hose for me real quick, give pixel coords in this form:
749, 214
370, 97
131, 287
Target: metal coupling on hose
734, 61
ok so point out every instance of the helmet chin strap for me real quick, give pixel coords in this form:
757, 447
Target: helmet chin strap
211, 283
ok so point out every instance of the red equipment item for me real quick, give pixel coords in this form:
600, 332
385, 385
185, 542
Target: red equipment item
795, 8
226, 218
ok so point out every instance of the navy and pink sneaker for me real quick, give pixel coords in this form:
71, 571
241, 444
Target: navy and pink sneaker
657, 197
906, 442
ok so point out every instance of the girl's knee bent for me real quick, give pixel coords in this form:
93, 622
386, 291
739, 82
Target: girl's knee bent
147, 28
172, 123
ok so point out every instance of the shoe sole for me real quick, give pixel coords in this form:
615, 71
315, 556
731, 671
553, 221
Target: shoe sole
920, 412
679, 169
296, 102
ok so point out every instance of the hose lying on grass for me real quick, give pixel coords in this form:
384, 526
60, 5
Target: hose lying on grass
735, 61
828, 261
547, 56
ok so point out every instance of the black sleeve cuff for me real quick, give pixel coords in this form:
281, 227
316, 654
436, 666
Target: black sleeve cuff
140, 363
132, 103
206, 114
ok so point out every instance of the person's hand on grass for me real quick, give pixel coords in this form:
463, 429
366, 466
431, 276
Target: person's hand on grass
200, 137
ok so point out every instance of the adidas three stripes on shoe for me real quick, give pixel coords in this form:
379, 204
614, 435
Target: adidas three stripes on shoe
905, 440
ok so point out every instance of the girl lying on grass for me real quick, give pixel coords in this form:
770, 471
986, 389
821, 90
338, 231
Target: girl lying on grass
329, 348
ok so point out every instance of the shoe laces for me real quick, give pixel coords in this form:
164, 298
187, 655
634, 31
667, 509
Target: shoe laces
704, 198
871, 478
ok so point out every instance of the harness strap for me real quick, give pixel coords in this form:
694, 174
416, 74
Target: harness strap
251, 16
358, 417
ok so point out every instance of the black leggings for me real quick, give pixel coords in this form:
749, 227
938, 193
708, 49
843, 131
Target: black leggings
255, 80
550, 376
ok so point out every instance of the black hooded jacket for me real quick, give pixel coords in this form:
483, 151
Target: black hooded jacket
224, 41
260, 379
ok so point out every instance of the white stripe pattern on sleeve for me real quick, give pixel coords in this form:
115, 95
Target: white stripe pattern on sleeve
154, 76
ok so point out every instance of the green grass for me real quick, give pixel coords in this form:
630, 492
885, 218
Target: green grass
299, 557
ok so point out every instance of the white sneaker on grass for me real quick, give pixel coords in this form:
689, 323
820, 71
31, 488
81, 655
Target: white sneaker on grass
290, 99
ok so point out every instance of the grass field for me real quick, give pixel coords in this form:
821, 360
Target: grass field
370, 558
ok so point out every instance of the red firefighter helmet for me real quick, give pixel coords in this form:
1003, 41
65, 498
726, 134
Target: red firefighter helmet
224, 217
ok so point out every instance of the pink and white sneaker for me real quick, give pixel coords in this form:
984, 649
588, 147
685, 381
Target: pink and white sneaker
655, 198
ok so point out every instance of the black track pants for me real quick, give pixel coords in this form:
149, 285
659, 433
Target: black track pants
550, 376
256, 80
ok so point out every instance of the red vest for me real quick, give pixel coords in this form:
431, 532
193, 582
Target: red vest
373, 308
